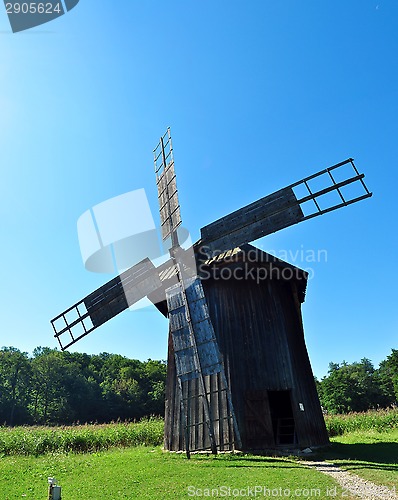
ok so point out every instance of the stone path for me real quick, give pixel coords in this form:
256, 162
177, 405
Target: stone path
353, 484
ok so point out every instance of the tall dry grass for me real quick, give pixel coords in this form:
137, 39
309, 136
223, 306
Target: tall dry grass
376, 420
80, 438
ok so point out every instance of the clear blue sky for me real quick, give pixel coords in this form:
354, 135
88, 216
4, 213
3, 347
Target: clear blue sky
258, 94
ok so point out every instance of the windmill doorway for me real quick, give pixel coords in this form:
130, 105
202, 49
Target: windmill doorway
283, 425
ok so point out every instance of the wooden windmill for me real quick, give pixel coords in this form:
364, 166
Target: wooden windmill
239, 375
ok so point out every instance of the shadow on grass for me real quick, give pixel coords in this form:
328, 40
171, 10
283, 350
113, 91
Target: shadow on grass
247, 461
382, 455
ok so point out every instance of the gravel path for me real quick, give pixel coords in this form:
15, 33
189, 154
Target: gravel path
353, 484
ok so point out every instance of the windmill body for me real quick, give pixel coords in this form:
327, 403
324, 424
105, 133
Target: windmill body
239, 375
255, 306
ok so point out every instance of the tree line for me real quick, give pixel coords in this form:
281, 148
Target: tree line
359, 386
53, 387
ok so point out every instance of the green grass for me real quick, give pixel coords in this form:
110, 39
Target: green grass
109, 462
145, 472
372, 420
88, 438
366, 444
82, 438
370, 454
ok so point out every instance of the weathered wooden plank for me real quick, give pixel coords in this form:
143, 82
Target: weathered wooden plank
266, 205
121, 292
170, 217
197, 350
255, 230
265, 216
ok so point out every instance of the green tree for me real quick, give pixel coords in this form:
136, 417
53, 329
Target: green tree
14, 386
388, 377
351, 387
49, 402
62, 387
155, 373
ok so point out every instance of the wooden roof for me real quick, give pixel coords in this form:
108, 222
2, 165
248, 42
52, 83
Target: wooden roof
246, 258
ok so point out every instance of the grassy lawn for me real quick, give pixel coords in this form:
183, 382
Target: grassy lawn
371, 455
145, 472
125, 460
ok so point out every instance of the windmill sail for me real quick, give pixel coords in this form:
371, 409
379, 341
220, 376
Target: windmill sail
197, 356
282, 209
196, 351
105, 303
169, 206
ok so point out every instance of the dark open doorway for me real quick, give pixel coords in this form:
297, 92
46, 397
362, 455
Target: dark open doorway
282, 417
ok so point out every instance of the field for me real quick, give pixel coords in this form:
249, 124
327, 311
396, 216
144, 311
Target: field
80, 438
126, 461
372, 420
